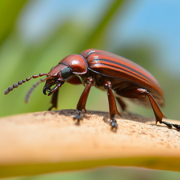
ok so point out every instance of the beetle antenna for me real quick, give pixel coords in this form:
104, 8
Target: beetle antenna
32, 88
15, 85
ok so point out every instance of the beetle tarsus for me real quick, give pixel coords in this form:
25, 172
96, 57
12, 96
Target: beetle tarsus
78, 116
169, 125
113, 124
177, 126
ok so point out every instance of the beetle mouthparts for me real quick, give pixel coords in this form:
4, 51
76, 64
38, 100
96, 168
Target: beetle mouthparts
47, 88
58, 85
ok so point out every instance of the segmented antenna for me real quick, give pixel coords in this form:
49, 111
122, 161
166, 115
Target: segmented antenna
15, 85
33, 87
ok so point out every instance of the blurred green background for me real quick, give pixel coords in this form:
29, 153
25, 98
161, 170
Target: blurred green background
36, 34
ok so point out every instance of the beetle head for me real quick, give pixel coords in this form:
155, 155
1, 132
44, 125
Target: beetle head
57, 76
70, 66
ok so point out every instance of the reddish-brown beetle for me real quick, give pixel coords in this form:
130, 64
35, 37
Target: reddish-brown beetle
108, 72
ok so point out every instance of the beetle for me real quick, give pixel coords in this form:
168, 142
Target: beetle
120, 77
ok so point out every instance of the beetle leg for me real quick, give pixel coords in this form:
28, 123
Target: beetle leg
121, 103
54, 100
138, 93
82, 101
112, 106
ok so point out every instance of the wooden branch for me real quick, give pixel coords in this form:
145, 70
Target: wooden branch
51, 141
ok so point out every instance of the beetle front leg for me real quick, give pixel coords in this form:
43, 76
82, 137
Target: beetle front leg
54, 100
112, 106
139, 93
82, 101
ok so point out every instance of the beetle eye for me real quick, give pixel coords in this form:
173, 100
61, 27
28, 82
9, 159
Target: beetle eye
66, 72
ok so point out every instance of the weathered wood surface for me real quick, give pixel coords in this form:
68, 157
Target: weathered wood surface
53, 137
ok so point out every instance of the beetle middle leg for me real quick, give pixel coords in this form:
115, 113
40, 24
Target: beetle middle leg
82, 101
112, 106
140, 93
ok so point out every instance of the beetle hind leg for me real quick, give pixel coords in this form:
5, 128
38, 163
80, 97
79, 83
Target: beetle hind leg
112, 106
140, 93
159, 115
